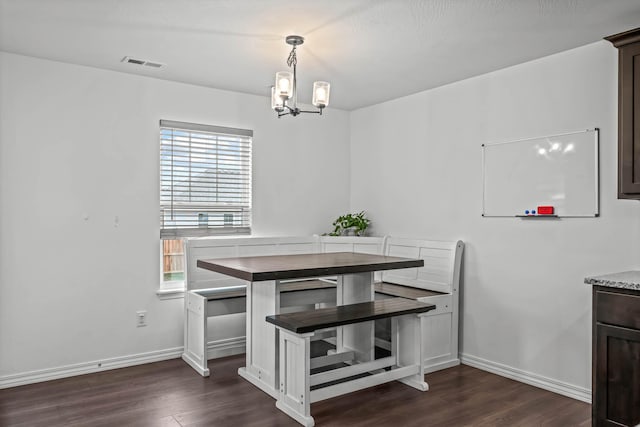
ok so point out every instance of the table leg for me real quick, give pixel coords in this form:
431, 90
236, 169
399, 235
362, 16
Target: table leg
354, 288
262, 338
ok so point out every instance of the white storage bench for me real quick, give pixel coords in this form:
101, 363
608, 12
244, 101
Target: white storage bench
438, 282
215, 303
205, 303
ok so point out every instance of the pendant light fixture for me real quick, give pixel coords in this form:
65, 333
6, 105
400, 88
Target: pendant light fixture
284, 95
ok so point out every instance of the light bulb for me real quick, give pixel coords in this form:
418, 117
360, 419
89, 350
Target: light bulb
284, 84
321, 94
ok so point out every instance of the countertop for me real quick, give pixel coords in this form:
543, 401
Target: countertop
624, 280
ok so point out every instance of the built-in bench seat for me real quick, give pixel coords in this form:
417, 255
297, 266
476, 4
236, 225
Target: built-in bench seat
205, 303
394, 290
299, 387
211, 297
240, 291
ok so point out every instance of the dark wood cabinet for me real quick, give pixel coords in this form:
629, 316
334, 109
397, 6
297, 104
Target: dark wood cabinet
616, 357
628, 44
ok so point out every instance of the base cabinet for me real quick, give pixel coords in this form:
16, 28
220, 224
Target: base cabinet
616, 357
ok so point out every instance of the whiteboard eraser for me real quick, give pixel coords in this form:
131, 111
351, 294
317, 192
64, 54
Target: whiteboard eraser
545, 210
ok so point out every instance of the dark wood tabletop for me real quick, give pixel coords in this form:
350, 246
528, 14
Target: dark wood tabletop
279, 267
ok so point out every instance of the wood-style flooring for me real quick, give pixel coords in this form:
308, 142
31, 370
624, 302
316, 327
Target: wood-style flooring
171, 394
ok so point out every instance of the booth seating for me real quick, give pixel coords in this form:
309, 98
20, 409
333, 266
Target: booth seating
297, 379
438, 282
206, 303
214, 303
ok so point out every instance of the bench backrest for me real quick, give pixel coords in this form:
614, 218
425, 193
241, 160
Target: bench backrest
215, 247
364, 245
442, 260
441, 271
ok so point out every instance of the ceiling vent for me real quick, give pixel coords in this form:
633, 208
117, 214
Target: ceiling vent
143, 62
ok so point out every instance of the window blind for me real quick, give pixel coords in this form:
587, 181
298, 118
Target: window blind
205, 180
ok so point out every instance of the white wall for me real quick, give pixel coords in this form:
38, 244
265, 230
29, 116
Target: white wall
416, 168
78, 141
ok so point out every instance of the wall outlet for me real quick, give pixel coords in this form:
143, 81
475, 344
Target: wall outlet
142, 318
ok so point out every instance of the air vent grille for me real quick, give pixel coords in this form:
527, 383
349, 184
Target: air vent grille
143, 62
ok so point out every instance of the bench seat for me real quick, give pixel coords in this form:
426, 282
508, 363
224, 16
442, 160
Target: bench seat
212, 302
240, 291
312, 320
402, 291
299, 387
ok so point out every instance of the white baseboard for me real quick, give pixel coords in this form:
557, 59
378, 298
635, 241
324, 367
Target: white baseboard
215, 349
433, 367
565, 389
88, 367
226, 347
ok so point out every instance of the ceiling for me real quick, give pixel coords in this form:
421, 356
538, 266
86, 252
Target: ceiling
369, 50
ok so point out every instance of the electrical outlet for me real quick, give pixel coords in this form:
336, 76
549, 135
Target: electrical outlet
142, 318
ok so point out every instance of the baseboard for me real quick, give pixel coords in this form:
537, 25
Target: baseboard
215, 349
226, 347
88, 367
433, 367
565, 389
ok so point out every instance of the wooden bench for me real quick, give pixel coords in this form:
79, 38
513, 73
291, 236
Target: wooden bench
297, 329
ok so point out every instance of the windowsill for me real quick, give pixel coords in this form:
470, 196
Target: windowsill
173, 293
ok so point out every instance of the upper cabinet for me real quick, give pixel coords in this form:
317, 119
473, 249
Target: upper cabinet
628, 44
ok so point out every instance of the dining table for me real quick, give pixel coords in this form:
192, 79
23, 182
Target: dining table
354, 275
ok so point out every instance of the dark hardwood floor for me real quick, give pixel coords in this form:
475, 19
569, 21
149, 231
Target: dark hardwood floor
170, 393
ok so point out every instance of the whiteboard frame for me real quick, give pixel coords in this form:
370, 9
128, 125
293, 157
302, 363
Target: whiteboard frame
596, 166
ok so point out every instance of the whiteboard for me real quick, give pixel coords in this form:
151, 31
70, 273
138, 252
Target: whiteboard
558, 170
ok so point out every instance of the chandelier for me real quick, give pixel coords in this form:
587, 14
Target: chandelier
284, 95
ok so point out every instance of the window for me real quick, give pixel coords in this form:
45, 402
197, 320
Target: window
205, 188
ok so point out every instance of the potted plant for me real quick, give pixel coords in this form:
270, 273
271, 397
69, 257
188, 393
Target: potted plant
356, 223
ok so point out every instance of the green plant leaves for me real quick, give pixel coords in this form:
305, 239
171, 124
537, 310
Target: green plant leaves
357, 222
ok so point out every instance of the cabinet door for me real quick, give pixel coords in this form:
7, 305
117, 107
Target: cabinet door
617, 382
629, 122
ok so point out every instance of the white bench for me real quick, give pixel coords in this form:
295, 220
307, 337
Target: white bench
214, 318
438, 282
296, 330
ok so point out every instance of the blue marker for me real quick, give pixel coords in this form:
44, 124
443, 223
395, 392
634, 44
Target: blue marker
533, 212
526, 212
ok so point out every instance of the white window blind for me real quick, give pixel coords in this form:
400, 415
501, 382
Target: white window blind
205, 180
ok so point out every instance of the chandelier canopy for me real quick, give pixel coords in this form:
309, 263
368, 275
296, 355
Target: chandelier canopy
284, 95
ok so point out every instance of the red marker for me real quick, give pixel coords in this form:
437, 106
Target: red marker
545, 210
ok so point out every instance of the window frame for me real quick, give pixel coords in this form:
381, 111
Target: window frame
175, 288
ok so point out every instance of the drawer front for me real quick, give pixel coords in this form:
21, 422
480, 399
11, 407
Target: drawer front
618, 309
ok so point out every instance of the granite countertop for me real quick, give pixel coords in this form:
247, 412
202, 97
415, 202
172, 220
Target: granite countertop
624, 280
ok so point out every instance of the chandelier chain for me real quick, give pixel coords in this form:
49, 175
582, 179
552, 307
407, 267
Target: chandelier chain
292, 61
